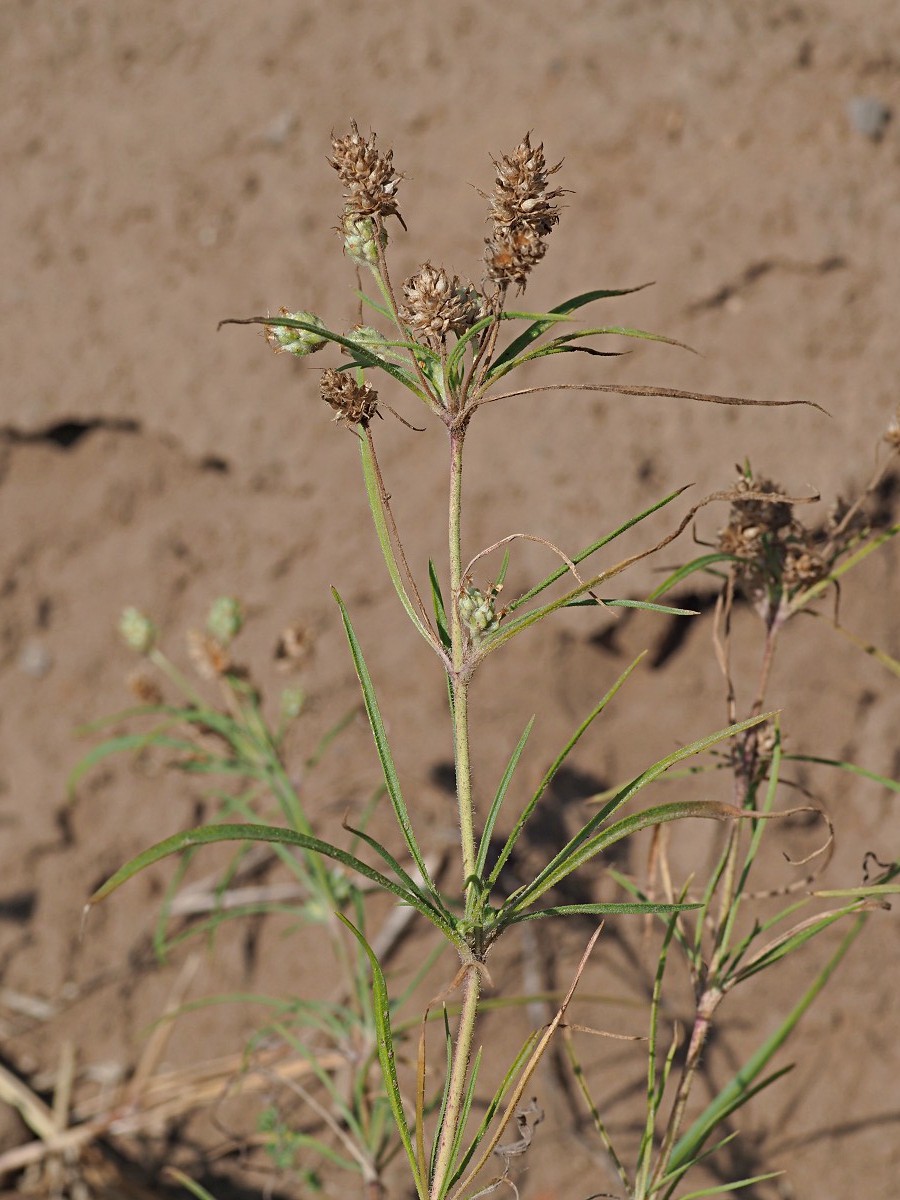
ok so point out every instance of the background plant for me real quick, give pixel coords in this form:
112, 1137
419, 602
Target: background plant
444, 346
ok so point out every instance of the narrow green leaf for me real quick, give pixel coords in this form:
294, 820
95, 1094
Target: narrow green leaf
189, 1184
120, 745
731, 1187
884, 780
497, 802
533, 332
572, 854
205, 835
382, 1013
383, 747
666, 609
554, 767
437, 599
612, 909
703, 563
373, 492
729, 1097
595, 546
366, 356
493, 1107
449, 922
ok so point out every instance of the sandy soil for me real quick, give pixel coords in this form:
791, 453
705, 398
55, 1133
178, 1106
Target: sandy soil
165, 166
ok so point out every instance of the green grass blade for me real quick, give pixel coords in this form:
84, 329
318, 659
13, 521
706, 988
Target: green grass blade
384, 751
729, 1098
534, 331
554, 767
611, 909
572, 854
646, 605
595, 546
382, 1013
703, 563
437, 599
361, 353
731, 1187
497, 802
206, 835
373, 492
442, 1111
120, 745
803, 598
494, 1106
449, 925
188, 1184
884, 780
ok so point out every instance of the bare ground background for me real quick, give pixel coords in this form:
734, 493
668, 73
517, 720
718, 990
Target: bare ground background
164, 166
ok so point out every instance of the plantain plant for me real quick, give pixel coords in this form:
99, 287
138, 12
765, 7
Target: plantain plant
451, 346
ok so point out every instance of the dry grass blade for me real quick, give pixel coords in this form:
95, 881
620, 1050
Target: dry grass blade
528, 1070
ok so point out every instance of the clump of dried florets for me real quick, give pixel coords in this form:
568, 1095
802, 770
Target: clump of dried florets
775, 554
353, 403
369, 179
438, 304
522, 213
892, 433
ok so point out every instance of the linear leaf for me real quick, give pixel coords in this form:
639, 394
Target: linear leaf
570, 855
688, 1146
697, 564
205, 835
382, 1014
383, 747
376, 504
533, 332
554, 767
595, 546
497, 802
360, 352
612, 909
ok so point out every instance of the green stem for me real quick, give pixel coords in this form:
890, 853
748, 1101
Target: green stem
457, 1088
462, 1051
460, 676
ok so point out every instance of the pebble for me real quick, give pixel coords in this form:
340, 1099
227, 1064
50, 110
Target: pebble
35, 659
868, 116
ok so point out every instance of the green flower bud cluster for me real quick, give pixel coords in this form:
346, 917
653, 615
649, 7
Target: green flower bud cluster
360, 234
225, 619
138, 631
296, 341
476, 609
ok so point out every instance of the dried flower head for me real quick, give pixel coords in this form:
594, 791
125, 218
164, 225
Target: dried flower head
144, 688
353, 403
210, 658
296, 341
369, 179
438, 304
775, 555
892, 433
523, 212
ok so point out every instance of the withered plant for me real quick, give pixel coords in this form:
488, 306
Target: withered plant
445, 341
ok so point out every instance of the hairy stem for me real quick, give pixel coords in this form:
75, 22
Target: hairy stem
458, 656
462, 1054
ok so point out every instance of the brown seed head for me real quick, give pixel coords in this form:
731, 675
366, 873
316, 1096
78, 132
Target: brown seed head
522, 212
511, 254
210, 658
892, 433
369, 179
353, 403
438, 304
